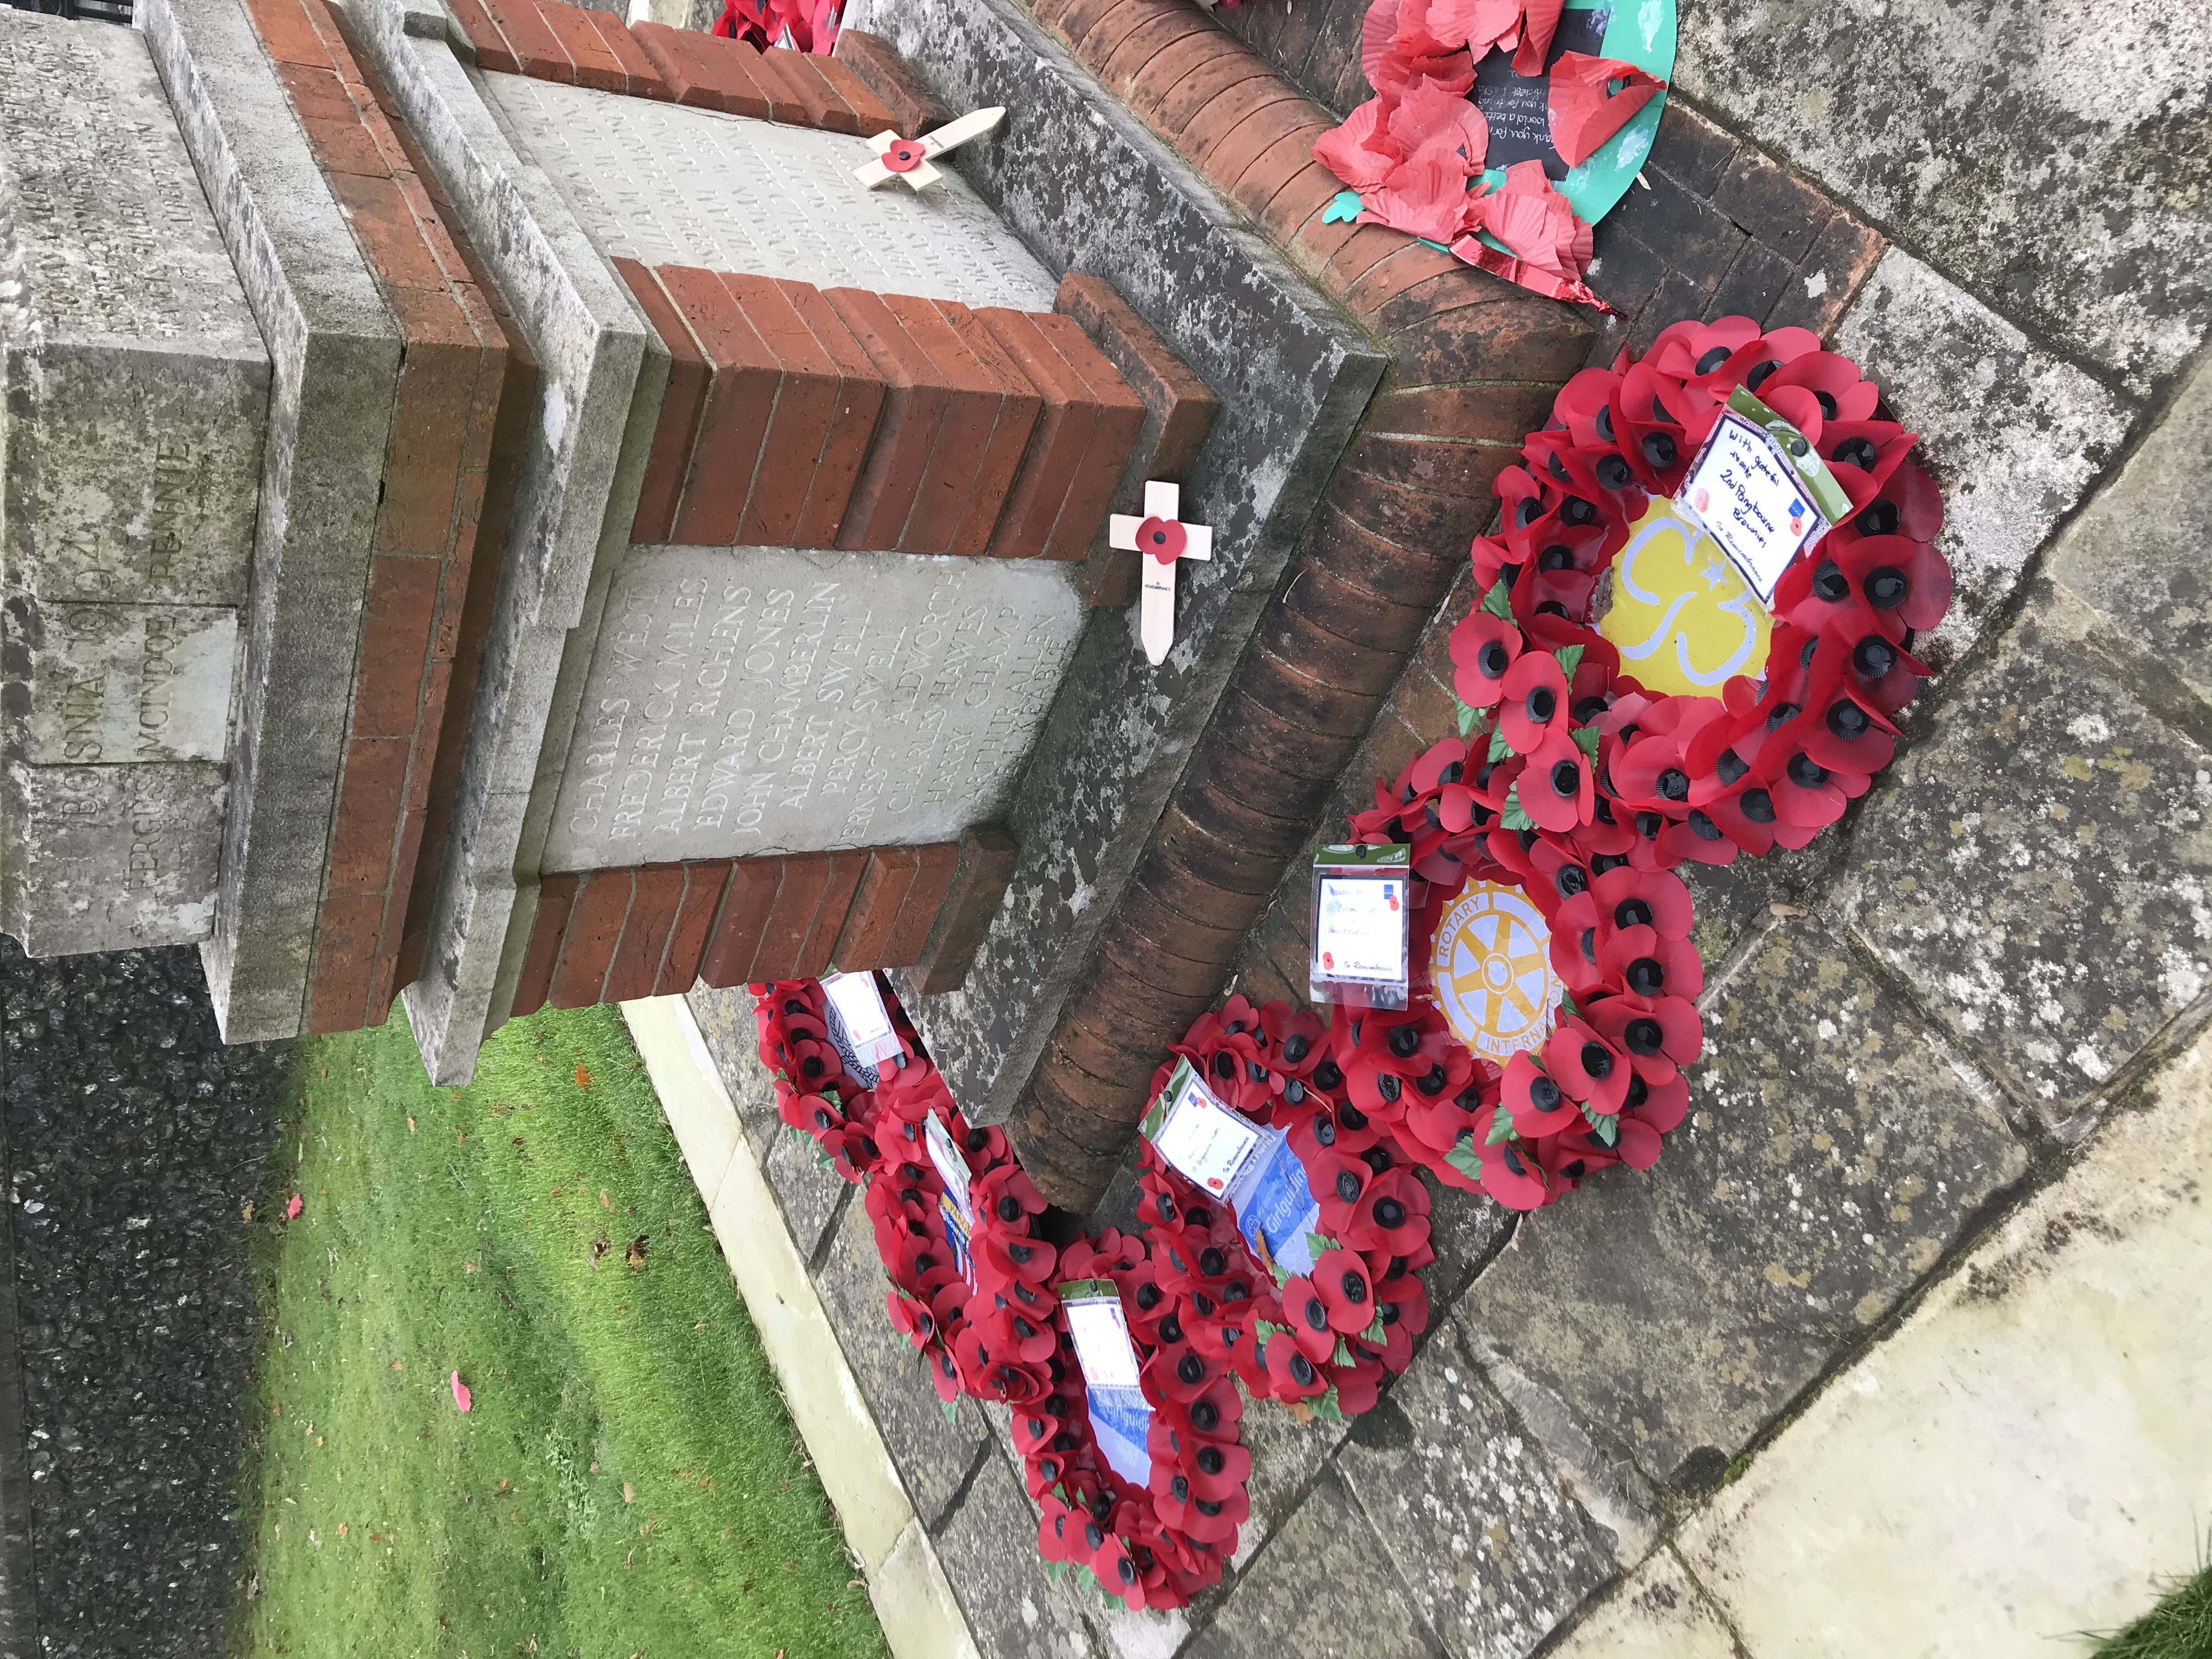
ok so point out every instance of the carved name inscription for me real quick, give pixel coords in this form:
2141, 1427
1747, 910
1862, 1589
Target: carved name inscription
127, 682
669, 185
138, 387
754, 699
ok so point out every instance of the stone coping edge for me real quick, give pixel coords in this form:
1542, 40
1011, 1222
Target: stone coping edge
334, 352
912, 1596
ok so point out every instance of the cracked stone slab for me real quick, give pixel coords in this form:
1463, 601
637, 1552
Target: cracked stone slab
988, 1550
2014, 435
1287, 1455
1325, 1586
1656, 1612
2038, 868
2025, 1456
808, 1188
2053, 155
2137, 551
1470, 1511
933, 1454
727, 1026
1832, 1152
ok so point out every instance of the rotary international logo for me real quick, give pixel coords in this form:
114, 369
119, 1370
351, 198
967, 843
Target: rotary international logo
1491, 960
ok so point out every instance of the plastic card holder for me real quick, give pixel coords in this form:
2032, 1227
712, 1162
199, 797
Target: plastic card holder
1362, 910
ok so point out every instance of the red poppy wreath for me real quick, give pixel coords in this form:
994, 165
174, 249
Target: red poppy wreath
1141, 1485
1592, 761
1286, 1231
954, 1215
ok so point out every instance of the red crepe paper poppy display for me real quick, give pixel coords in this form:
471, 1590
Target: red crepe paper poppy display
985, 1326
1321, 1341
1419, 153
1158, 1544
805, 25
1577, 784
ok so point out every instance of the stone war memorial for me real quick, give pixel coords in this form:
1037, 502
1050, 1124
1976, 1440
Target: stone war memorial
1403, 802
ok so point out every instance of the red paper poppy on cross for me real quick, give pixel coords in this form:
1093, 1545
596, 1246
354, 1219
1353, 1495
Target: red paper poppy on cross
910, 159
1162, 535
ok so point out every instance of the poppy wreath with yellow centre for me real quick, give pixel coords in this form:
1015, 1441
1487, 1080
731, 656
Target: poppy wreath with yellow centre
1585, 787
987, 1325
1322, 1339
1157, 1544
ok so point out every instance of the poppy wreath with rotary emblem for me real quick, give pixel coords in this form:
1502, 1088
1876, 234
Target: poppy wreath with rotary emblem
987, 1330
1322, 1341
1158, 1544
1579, 785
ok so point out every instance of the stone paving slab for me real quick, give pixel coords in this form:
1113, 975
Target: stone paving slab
808, 1190
1470, 1511
2137, 551
1326, 1586
1656, 1612
2037, 867
988, 1545
1831, 1154
933, 1454
2030, 1454
2014, 435
2051, 155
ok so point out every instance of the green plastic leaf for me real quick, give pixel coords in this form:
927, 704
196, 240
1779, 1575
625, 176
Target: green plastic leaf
1327, 1408
1498, 602
1374, 1332
1468, 717
1054, 1571
1606, 1126
1318, 1247
951, 1410
1342, 1356
1567, 1008
1501, 1128
1586, 739
1343, 208
1283, 1275
1513, 817
1570, 658
1499, 749
1463, 1158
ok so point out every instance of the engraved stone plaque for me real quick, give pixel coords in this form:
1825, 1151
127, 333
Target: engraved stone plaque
112, 684
668, 185
110, 857
137, 387
754, 699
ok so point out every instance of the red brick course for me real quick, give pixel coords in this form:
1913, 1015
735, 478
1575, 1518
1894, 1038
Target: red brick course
444, 490
613, 935
910, 108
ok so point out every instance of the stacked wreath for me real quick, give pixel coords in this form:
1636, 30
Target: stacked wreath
1572, 781
994, 1338
1320, 1341
1002, 1336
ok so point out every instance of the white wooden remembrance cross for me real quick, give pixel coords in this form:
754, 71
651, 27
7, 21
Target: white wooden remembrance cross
910, 158
1162, 538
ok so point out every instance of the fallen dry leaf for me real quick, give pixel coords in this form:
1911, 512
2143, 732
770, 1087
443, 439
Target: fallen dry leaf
636, 1255
342, 1528
1786, 910
605, 1203
629, 1495
468, 1267
410, 1123
399, 1365
247, 1214
583, 1078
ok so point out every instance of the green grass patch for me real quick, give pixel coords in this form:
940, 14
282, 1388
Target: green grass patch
2178, 1627
628, 1482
